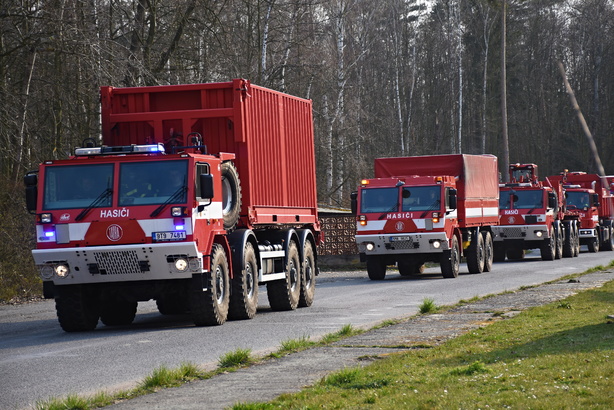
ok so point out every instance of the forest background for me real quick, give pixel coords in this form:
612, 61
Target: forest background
387, 78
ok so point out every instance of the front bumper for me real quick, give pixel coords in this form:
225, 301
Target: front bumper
415, 243
523, 232
122, 263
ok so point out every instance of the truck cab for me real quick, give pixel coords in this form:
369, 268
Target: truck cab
529, 216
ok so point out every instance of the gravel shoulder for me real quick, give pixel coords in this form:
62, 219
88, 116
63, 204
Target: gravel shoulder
271, 378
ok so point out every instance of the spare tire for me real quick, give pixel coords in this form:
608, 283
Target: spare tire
231, 195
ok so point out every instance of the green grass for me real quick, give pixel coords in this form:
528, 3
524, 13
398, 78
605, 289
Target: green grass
239, 357
428, 306
554, 356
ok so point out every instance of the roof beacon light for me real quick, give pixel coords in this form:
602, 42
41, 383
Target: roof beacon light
120, 150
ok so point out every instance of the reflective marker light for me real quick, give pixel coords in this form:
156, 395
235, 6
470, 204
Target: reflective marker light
46, 272
364, 182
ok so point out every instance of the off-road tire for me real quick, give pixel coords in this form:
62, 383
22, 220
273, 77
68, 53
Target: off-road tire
244, 296
376, 267
547, 248
209, 306
408, 266
172, 305
450, 260
308, 276
489, 252
231, 195
475, 256
77, 308
118, 312
499, 252
285, 294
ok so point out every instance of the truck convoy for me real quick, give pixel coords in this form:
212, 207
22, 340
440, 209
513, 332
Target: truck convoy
531, 216
435, 208
589, 202
198, 194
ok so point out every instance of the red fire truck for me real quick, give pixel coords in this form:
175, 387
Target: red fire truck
531, 216
428, 208
198, 194
589, 201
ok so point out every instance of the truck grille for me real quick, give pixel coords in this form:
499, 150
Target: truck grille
402, 245
512, 233
118, 262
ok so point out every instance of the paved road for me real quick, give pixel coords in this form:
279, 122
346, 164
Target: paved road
38, 360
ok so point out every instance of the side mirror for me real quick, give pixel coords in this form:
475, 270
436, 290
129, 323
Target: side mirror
206, 186
552, 201
31, 183
452, 199
354, 202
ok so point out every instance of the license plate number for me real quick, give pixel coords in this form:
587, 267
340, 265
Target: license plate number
169, 236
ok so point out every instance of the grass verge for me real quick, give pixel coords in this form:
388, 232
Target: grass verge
554, 356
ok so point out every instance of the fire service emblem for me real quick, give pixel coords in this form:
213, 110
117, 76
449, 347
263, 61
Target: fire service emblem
400, 226
115, 232
511, 220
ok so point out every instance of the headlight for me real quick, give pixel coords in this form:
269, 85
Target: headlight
62, 270
539, 234
181, 264
45, 218
436, 244
46, 271
370, 246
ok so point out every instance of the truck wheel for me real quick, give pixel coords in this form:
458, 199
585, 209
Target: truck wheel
231, 195
593, 245
308, 276
515, 253
244, 296
376, 268
77, 309
172, 305
285, 294
576, 241
568, 243
499, 252
475, 256
547, 248
608, 244
488, 251
450, 260
560, 239
408, 266
118, 312
209, 306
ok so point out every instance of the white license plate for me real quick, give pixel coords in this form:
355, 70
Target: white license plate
399, 238
169, 236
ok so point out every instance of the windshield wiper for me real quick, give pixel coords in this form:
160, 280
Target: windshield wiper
178, 194
432, 207
98, 201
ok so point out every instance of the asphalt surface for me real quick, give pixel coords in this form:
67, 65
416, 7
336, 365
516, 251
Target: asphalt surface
273, 377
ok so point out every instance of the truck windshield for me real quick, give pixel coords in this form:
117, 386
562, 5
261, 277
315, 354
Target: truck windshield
379, 200
421, 198
77, 186
151, 183
522, 199
578, 200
